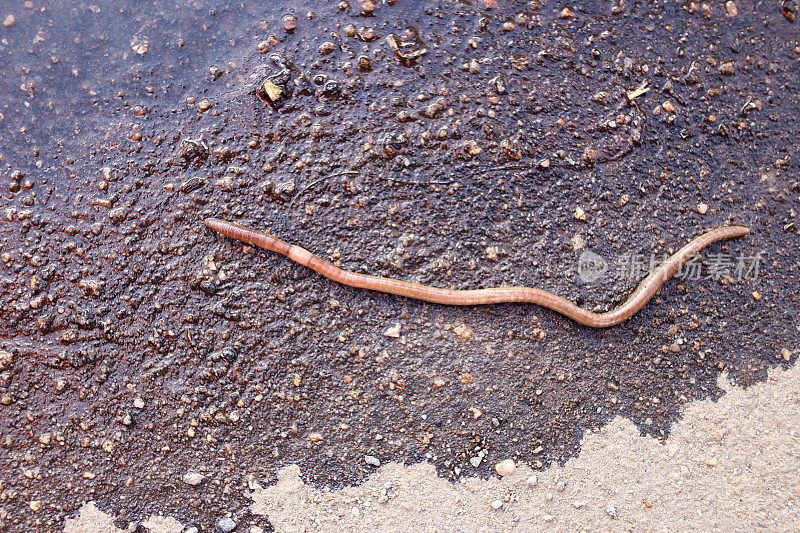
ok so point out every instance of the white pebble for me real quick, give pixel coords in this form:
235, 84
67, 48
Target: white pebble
193, 478
505, 468
497, 504
531, 481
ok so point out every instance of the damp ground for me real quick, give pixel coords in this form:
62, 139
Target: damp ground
456, 144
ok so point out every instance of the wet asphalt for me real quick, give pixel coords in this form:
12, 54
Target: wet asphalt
456, 144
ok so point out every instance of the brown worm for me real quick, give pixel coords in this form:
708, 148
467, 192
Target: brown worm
643, 293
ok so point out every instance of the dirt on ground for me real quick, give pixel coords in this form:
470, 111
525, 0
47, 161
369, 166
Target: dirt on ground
154, 367
727, 466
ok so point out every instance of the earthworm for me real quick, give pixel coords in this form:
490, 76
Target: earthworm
643, 293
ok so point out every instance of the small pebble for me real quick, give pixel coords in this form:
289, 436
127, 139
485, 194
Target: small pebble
702, 208
108, 174
204, 105
463, 332
566, 13
326, 48
548, 518
6, 358
193, 478
225, 525
393, 331
789, 11
372, 460
612, 511
289, 23
532, 481
139, 45
727, 68
505, 468
497, 504
228, 353
9, 21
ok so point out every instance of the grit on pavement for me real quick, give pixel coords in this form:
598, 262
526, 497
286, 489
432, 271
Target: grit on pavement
731, 465
153, 367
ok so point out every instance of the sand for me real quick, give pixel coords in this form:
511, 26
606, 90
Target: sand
729, 465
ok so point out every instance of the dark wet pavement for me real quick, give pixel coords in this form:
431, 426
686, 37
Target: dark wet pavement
478, 146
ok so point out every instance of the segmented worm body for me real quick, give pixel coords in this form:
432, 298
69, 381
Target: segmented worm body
643, 293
